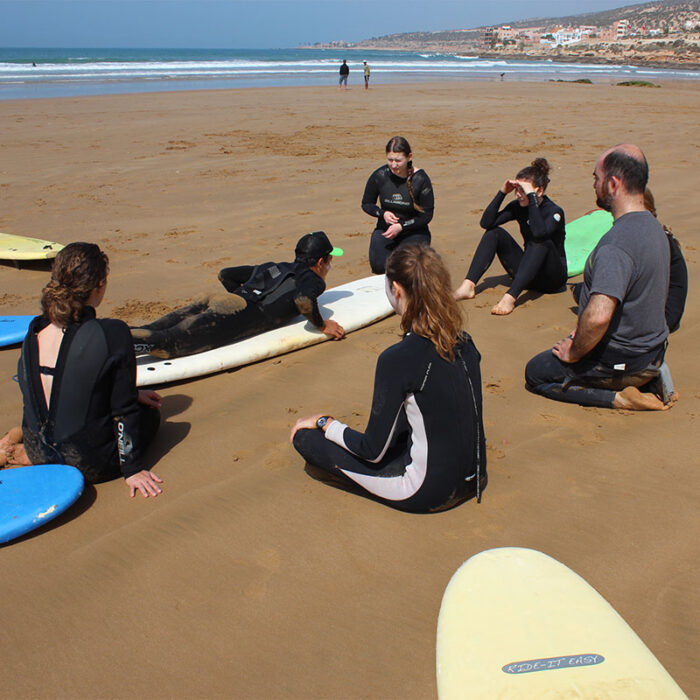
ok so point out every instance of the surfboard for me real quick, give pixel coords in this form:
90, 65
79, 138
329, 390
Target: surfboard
582, 235
515, 623
13, 329
23, 248
32, 496
353, 305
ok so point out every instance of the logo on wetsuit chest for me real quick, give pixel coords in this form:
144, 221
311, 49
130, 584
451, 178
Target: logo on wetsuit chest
398, 200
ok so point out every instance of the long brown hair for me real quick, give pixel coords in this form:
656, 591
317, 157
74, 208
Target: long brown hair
77, 270
431, 310
398, 144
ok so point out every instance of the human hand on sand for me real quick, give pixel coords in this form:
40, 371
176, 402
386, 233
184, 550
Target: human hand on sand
146, 482
308, 423
393, 231
150, 398
334, 330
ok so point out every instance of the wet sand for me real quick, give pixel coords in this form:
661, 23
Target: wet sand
246, 578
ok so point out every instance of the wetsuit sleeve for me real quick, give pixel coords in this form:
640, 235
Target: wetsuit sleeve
370, 196
492, 217
124, 405
677, 288
544, 221
306, 297
425, 199
387, 408
233, 277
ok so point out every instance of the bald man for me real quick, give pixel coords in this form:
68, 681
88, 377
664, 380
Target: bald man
621, 326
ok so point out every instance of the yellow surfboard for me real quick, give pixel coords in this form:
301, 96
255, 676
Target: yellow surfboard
23, 248
515, 623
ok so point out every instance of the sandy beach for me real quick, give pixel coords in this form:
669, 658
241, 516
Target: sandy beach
246, 578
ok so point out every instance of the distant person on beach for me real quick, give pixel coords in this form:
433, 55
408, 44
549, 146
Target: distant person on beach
344, 72
405, 206
678, 274
77, 374
423, 448
261, 298
622, 330
541, 266
366, 73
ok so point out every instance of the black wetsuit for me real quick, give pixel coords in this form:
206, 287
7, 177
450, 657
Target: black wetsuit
423, 448
262, 298
393, 194
94, 421
677, 286
542, 265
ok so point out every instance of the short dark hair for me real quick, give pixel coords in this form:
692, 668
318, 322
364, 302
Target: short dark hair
632, 172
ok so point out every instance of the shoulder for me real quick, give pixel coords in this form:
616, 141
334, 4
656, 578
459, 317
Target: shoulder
410, 347
308, 282
381, 173
117, 334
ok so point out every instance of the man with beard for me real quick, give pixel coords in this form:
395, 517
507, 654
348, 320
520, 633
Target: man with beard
621, 328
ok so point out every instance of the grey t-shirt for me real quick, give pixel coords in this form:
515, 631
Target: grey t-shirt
631, 264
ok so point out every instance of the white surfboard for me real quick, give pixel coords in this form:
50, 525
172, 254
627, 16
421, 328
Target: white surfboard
353, 305
515, 623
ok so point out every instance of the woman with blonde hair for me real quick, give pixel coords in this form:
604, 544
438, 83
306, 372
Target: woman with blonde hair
423, 449
77, 374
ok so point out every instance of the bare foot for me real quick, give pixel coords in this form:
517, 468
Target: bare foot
505, 306
631, 399
12, 450
466, 290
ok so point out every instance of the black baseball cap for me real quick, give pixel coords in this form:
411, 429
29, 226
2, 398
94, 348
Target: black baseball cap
313, 246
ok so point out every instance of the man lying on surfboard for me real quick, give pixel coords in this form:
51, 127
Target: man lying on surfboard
261, 298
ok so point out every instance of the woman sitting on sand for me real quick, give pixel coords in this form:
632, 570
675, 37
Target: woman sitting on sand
423, 449
77, 374
542, 265
405, 207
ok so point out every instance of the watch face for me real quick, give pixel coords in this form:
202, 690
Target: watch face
322, 421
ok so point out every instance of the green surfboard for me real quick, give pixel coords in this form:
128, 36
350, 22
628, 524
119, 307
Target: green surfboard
582, 235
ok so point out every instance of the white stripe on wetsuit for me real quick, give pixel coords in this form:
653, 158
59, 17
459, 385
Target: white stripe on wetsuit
393, 488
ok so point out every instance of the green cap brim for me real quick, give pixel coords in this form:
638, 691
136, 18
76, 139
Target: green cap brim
337, 251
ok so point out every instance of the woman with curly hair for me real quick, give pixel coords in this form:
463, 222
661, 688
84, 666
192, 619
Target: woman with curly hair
78, 379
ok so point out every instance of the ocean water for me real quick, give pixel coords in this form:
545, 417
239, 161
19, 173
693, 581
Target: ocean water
75, 72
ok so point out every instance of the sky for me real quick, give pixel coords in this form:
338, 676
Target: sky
254, 23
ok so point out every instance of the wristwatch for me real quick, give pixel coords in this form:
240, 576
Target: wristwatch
321, 422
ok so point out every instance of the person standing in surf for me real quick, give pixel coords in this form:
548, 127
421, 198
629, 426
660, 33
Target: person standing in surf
423, 449
406, 203
541, 266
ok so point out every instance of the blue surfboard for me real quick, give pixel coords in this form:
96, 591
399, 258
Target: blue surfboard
13, 329
32, 496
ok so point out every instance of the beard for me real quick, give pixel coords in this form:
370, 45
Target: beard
603, 198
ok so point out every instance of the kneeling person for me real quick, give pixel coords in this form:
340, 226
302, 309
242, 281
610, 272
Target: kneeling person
261, 298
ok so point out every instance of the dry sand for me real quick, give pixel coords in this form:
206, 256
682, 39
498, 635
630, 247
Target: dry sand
246, 578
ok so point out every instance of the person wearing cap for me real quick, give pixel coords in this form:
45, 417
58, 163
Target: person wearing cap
260, 298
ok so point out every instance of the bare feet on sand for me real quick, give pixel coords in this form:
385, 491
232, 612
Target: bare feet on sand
631, 399
12, 451
466, 290
505, 306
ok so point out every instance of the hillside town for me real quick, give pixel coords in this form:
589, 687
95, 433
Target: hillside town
656, 33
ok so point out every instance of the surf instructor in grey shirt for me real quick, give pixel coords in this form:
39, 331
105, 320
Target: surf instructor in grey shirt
621, 326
